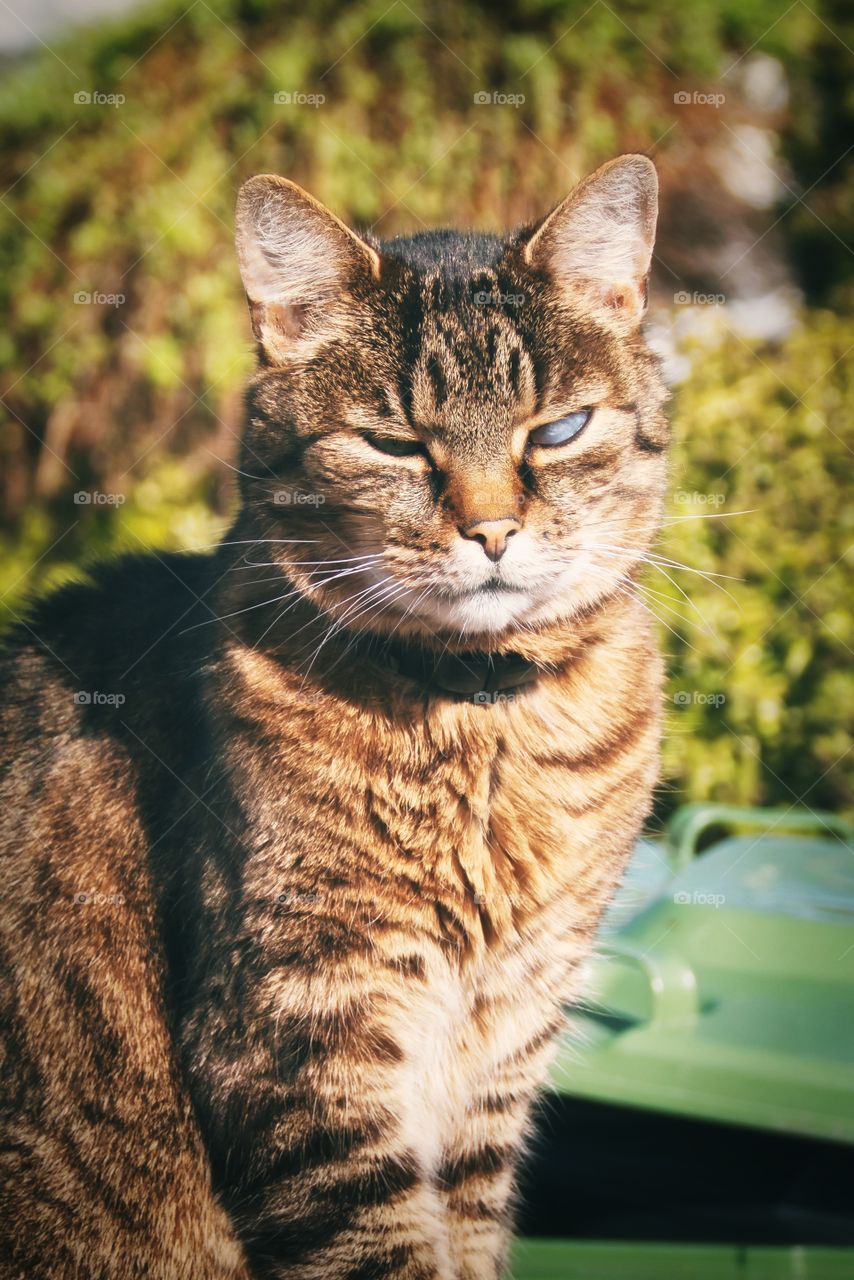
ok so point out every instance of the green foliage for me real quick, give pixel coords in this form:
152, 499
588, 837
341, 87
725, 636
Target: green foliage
141, 397
761, 695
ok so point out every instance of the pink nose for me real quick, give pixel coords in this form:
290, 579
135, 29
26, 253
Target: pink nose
492, 535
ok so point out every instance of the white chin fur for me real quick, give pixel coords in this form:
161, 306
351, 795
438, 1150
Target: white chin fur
491, 612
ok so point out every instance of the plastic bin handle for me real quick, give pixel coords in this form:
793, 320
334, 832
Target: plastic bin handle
674, 998
691, 820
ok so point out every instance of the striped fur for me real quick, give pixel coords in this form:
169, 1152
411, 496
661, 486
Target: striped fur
290, 935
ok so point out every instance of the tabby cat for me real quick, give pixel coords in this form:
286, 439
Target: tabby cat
305, 840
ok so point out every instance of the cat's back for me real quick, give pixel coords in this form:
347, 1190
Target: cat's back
95, 653
98, 693
93, 685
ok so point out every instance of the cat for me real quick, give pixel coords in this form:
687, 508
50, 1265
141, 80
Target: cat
305, 840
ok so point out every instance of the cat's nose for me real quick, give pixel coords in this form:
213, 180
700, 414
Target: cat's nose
492, 535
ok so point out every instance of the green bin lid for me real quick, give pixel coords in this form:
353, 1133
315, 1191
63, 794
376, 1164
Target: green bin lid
723, 984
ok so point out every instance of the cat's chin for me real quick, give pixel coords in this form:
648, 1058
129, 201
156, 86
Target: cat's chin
478, 613
482, 618
500, 621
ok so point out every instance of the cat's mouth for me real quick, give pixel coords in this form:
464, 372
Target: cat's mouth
491, 587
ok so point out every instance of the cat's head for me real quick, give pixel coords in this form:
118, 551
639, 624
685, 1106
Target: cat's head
462, 434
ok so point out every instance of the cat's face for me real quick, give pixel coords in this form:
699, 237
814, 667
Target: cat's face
463, 434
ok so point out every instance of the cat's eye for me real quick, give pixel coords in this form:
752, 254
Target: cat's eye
395, 446
562, 431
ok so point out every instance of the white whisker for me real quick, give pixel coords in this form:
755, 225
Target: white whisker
260, 604
710, 515
382, 593
232, 467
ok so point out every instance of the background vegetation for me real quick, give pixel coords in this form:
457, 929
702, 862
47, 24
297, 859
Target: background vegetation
137, 393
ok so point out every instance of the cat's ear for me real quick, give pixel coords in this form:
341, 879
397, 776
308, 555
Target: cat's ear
597, 245
295, 258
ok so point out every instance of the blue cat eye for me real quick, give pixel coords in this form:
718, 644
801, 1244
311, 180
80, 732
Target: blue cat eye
562, 431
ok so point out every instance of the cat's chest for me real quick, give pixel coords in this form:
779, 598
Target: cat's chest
465, 856
469, 825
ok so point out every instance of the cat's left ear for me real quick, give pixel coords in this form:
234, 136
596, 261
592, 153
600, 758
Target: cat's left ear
296, 259
597, 245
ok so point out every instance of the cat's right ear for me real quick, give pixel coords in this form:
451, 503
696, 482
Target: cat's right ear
295, 257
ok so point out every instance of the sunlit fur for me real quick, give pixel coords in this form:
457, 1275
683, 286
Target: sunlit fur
294, 1026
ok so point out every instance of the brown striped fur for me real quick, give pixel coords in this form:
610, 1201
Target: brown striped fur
289, 933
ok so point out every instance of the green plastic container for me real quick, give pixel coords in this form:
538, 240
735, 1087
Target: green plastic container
721, 994
728, 992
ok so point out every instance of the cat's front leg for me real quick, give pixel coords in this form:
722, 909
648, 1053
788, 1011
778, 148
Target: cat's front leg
308, 1113
477, 1181
478, 1174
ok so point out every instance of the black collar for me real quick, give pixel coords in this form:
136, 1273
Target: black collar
481, 677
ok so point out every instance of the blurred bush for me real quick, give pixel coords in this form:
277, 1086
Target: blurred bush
761, 693
126, 346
